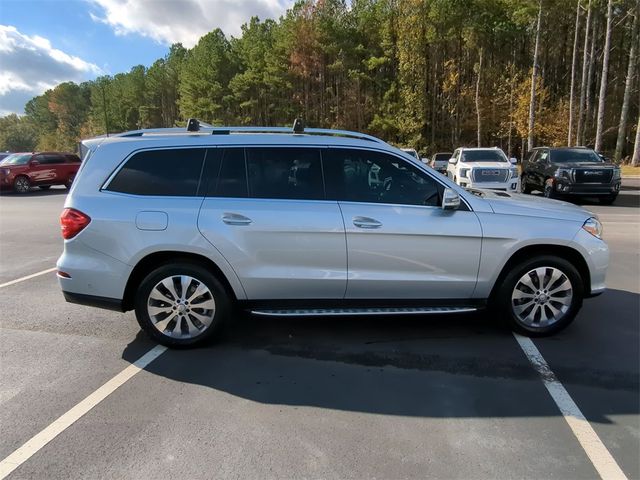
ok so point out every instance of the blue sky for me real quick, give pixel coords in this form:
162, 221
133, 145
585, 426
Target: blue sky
45, 42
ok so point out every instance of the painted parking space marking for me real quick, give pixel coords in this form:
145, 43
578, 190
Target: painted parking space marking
28, 277
35, 443
600, 457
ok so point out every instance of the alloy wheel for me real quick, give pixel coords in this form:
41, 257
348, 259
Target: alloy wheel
541, 297
181, 306
21, 185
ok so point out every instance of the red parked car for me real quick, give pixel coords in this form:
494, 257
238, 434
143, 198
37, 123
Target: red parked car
21, 171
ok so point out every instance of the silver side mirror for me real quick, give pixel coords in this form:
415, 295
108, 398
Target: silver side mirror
453, 161
450, 199
513, 160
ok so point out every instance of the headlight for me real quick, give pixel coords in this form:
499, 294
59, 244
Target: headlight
562, 173
5, 171
616, 174
464, 172
594, 227
514, 172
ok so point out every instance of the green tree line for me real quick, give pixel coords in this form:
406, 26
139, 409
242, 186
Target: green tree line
428, 74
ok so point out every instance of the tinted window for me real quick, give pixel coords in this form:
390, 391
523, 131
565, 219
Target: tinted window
292, 173
49, 159
72, 158
439, 157
577, 155
483, 156
232, 180
161, 172
365, 176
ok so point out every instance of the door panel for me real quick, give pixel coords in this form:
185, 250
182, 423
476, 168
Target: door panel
280, 249
44, 172
416, 252
400, 243
261, 213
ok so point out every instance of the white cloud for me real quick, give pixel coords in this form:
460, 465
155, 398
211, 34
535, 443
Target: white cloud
29, 65
184, 21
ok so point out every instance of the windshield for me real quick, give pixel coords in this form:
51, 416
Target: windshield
577, 155
438, 157
411, 152
483, 156
17, 159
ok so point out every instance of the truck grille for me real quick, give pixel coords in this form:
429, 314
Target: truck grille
490, 175
593, 175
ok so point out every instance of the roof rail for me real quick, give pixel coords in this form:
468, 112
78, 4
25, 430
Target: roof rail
199, 128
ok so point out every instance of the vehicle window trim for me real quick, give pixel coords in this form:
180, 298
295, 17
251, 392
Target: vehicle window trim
120, 166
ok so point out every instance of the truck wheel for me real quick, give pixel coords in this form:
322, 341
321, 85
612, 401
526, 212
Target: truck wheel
524, 185
549, 192
181, 304
21, 184
540, 296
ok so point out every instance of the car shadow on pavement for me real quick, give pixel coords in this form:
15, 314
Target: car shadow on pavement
457, 366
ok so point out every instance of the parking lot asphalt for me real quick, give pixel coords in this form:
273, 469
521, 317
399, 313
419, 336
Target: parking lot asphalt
446, 397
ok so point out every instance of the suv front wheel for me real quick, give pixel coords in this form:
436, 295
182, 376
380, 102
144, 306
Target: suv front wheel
181, 304
540, 296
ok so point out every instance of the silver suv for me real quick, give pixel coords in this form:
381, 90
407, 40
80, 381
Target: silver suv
183, 226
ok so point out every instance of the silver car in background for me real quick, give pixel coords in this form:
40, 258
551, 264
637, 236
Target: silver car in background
183, 226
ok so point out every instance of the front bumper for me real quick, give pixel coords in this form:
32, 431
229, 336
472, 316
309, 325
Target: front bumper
596, 255
565, 187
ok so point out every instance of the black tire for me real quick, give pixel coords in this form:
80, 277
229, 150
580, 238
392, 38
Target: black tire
525, 186
21, 184
44, 187
220, 313
608, 200
549, 191
69, 182
506, 306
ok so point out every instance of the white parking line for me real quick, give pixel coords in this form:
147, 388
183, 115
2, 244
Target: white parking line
35, 443
28, 277
586, 435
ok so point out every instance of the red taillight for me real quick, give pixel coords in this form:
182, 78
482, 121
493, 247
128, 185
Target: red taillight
72, 222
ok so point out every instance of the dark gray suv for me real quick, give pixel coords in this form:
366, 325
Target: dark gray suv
577, 171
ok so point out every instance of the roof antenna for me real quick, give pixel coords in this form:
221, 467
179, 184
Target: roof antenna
193, 125
298, 126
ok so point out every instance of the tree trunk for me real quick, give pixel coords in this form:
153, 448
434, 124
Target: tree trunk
583, 82
478, 100
635, 161
589, 121
627, 90
534, 77
511, 87
603, 81
573, 74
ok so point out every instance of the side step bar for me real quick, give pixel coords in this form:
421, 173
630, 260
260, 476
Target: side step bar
316, 312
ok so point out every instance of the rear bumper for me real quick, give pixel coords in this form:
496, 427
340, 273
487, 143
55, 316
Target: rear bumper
94, 301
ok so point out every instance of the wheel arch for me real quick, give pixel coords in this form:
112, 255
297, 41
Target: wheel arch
561, 251
154, 260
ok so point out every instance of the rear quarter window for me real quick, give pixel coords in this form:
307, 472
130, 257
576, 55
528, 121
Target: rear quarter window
172, 172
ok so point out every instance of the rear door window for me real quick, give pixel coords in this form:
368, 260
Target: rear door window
231, 179
171, 172
285, 173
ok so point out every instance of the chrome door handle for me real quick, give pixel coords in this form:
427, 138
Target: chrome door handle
235, 219
366, 222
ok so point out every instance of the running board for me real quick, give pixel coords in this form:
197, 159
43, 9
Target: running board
315, 312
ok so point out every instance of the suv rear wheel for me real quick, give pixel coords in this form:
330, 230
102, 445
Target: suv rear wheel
540, 296
181, 304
